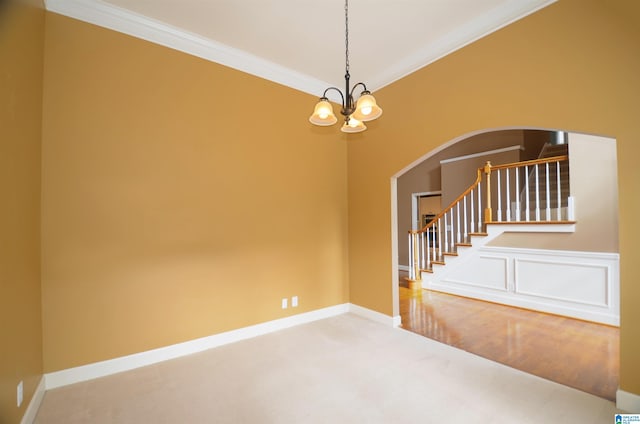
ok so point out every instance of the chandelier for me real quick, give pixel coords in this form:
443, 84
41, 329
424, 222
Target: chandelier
355, 113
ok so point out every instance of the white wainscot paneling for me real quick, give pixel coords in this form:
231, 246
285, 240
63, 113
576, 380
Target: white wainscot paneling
566, 281
482, 271
584, 285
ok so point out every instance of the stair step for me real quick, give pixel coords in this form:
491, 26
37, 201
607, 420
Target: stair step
449, 254
438, 262
464, 245
479, 234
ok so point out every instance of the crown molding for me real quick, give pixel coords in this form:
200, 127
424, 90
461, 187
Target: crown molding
106, 15
124, 21
491, 21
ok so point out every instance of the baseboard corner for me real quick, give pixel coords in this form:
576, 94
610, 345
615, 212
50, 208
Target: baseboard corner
32, 409
629, 402
374, 315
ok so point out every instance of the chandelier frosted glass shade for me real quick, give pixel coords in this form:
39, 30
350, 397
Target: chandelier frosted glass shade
352, 125
366, 108
323, 114
355, 113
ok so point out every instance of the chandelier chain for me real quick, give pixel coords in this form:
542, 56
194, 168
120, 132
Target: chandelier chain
346, 34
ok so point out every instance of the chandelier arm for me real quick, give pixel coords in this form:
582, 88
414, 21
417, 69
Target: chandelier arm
354, 88
324, 95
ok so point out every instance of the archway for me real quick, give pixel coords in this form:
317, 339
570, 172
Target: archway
488, 142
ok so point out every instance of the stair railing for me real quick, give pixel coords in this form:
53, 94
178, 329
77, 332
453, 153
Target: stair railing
533, 191
464, 217
450, 228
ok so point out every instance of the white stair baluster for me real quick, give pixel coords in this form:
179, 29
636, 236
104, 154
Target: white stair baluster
458, 222
422, 249
508, 196
439, 251
548, 209
446, 234
517, 195
537, 194
472, 220
526, 191
411, 276
479, 208
466, 233
452, 231
559, 188
499, 198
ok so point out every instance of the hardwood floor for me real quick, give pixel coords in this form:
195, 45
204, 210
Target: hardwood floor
571, 352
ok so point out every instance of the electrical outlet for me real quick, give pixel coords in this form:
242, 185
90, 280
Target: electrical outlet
294, 302
284, 303
19, 393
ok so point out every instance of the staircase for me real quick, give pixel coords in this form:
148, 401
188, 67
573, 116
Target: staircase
522, 196
452, 254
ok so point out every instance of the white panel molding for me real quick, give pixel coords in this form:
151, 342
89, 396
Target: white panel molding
568, 265
456, 278
137, 360
127, 22
629, 402
32, 410
452, 278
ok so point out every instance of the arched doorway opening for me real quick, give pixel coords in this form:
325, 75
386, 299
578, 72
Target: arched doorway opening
500, 332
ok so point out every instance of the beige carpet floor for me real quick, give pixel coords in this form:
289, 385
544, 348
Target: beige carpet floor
344, 369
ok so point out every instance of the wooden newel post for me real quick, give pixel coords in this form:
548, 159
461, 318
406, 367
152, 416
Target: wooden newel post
487, 210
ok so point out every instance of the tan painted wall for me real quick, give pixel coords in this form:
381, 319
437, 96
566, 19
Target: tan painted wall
572, 65
593, 169
21, 52
180, 198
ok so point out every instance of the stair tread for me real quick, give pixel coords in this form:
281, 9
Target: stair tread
450, 253
464, 245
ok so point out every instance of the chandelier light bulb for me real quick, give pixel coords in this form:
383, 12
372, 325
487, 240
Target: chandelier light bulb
366, 108
355, 113
323, 114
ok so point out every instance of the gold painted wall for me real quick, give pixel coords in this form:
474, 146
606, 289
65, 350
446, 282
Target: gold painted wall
21, 52
180, 198
572, 66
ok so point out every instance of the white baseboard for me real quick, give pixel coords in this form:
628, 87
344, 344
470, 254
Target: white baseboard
32, 410
137, 360
374, 315
629, 402
125, 363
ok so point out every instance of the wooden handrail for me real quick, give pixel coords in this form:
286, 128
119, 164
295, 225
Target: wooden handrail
451, 205
481, 170
530, 162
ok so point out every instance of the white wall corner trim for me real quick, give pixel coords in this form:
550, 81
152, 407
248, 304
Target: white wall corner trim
629, 402
137, 360
32, 410
124, 21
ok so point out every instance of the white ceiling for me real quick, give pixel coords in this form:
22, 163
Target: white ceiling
300, 43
